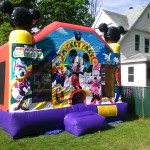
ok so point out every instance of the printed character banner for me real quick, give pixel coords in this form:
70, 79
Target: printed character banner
65, 67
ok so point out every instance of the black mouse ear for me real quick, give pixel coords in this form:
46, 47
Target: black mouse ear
21, 18
103, 27
85, 57
89, 70
121, 29
75, 33
36, 15
6, 7
73, 53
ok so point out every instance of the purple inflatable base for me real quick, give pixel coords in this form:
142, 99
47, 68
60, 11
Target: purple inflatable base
21, 124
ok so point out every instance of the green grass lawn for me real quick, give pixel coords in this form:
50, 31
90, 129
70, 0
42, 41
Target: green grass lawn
133, 134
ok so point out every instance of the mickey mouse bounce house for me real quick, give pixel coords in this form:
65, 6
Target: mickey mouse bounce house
62, 78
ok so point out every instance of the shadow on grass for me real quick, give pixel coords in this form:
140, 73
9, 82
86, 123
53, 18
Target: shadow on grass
52, 132
109, 127
132, 117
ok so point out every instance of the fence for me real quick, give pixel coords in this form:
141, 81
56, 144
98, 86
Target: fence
138, 99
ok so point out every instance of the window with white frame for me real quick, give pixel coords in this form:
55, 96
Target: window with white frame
146, 45
137, 42
130, 74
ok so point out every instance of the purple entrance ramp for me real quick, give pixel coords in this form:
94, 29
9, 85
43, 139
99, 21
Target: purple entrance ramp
79, 123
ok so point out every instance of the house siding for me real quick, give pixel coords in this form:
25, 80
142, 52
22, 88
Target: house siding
143, 22
128, 44
139, 74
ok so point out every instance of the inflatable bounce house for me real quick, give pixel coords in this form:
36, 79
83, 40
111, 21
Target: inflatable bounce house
65, 77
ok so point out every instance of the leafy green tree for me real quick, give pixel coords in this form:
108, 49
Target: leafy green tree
69, 11
5, 30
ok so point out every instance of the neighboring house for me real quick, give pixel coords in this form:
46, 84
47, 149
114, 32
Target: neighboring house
135, 44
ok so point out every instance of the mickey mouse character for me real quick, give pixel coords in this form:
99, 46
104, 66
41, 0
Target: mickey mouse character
112, 35
20, 18
77, 66
77, 36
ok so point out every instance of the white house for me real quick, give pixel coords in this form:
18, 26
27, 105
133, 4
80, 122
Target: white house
135, 44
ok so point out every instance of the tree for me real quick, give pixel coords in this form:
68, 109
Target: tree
5, 30
69, 11
94, 7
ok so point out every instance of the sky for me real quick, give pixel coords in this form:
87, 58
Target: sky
119, 6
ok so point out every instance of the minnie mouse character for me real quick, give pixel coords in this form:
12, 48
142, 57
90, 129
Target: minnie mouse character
95, 84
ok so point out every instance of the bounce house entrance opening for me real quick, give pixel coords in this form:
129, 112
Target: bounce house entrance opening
42, 85
78, 96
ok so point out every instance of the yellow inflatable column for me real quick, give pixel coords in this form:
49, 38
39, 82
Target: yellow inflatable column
21, 37
18, 40
115, 47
